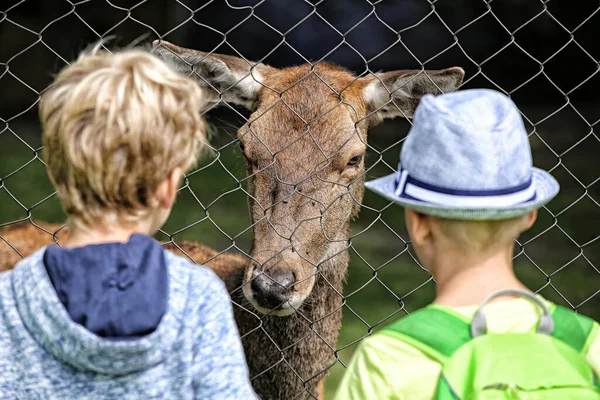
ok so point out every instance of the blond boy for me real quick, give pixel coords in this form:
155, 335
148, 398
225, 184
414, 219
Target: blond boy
111, 314
469, 189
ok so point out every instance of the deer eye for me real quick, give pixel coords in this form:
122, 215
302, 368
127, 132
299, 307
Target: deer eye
355, 160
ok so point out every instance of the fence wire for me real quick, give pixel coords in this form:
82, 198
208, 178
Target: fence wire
557, 258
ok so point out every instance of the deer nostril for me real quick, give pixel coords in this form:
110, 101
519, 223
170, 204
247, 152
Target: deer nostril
272, 290
258, 284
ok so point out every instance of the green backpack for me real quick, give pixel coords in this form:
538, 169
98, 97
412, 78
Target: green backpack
543, 365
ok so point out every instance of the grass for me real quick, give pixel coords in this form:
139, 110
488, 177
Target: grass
382, 283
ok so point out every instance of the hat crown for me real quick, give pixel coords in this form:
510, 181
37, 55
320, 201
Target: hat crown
468, 140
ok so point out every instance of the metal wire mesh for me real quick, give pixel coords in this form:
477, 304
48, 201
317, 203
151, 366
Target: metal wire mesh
558, 257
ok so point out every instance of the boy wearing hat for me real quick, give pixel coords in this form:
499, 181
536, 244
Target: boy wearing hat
469, 189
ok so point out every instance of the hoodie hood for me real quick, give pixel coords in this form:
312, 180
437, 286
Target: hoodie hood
51, 326
115, 290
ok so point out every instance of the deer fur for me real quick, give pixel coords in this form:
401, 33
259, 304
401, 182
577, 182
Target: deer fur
27, 237
303, 147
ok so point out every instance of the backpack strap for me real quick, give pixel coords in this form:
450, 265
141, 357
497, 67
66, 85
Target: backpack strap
545, 324
572, 328
432, 329
438, 334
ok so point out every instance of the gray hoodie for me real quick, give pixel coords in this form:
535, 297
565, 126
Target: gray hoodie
194, 353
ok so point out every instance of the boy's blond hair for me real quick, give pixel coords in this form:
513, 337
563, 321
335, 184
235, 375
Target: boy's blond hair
481, 236
114, 125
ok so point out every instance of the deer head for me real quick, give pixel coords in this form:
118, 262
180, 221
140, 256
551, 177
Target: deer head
304, 147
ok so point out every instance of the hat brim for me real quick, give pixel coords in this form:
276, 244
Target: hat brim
546, 188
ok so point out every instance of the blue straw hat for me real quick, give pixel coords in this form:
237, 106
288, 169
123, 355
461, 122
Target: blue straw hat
467, 156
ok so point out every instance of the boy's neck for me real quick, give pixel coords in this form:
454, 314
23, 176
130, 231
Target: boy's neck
117, 234
466, 279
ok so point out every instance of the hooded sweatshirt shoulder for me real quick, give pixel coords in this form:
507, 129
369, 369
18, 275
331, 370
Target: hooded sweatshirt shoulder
194, 352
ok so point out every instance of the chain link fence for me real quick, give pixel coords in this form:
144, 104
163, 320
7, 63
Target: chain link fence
544, 54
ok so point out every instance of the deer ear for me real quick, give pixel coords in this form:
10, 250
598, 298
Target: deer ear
395, 93
232, 79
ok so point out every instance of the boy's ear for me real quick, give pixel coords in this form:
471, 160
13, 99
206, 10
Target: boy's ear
167, 189
232, 79
530, 220
396, 93
418, 227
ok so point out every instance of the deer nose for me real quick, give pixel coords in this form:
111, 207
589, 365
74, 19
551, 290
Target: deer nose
273, 289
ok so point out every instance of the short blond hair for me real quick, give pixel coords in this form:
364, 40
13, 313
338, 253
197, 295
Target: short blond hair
114, 126
481, 236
